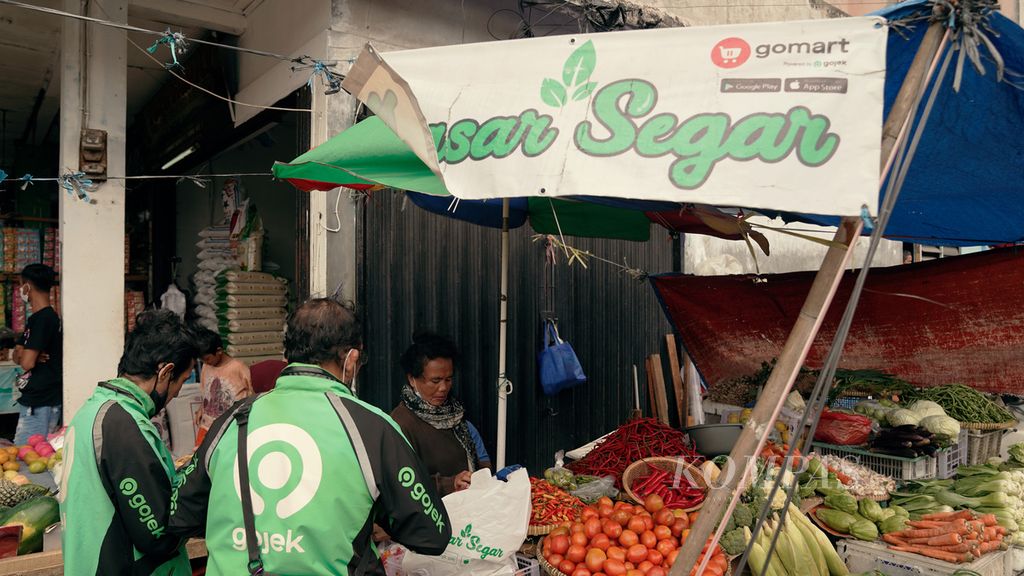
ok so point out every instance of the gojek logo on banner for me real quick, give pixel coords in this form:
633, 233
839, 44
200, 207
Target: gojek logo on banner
288, 471
624, 119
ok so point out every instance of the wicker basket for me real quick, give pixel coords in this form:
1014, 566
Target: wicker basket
669, 464
985, 426
540, 530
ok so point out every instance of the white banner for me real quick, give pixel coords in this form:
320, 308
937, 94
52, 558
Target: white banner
784, 116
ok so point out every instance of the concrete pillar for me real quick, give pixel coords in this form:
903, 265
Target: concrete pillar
93, 95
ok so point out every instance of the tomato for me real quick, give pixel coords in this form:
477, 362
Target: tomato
581, 571
605, 511
720, 561
566, 567
671, 558
653, 503
592, 527
559, 544
679, 525
611, 529
555, 559
559, 530
576, 554
648, 539
604, 501
595, 559
624, 506
637, 553
616, 553
634, 572
648, 522
613, 567
579, 539
662, 532
576, 527
665, 547
655, 557
657, 571
645, 566
636, 524
628, 538
620, 517
589, 513
601, 542
664, 518
693, 517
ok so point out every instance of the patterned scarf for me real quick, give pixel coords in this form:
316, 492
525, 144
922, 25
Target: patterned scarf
449, 416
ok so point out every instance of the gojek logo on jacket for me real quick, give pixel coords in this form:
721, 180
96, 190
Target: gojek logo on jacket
288, 471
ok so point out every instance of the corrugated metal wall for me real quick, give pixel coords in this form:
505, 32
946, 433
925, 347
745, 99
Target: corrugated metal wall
424, 271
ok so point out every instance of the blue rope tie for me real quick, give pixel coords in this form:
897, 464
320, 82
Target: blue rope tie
27, 179
78, 184
321, 69
865, 216
175, 41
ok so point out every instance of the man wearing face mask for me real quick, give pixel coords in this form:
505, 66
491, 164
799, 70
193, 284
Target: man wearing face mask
321, 468
118, 475
39, 354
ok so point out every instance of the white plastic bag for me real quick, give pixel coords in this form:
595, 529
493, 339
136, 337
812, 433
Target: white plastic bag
489, 522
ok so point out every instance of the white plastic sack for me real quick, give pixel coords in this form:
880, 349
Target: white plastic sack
173, 300
489, 522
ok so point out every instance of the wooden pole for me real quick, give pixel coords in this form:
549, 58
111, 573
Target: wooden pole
660, 396
677, 378
806, 328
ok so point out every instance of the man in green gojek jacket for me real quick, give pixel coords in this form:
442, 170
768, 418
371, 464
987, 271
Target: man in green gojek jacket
118, 475
323, 467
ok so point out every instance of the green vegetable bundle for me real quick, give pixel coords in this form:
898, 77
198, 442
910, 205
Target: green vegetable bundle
965, 404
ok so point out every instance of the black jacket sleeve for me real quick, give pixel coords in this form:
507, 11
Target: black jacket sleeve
137, 483
409, 500
190, 499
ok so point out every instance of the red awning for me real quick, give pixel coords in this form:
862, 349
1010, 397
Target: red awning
956, 320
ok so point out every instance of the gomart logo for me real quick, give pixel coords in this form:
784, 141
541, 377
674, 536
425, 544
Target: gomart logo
730, 53
624, 119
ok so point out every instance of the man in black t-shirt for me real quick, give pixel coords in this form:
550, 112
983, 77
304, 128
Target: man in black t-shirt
40, 355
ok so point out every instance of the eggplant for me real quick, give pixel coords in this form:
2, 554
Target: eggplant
900, 452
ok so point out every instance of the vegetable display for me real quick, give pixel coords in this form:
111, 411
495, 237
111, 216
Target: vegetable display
635, 440
864, 482
34, 516
552, 505
801, 549
906, 441
965, 404
676, 490
954, 537
620, 539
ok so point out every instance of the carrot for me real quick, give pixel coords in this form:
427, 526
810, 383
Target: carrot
926, 524
894, 539
990, 547
976, 526
951, 557
955, 526
991, 532
959, 548
951, 539
989, 519
949, 516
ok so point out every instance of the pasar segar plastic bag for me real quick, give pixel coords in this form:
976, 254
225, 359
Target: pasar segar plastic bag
843, 428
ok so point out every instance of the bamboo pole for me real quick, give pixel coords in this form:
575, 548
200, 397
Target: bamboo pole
798, 344
503, 340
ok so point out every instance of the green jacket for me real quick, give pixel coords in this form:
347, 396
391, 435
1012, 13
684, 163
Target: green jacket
116, 489
323, 467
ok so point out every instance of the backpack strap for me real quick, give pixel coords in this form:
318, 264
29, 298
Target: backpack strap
255, 564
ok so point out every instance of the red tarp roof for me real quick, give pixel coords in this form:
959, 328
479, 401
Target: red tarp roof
955, 320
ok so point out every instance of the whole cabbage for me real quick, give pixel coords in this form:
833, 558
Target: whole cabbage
903, 417
943, 425
925, 408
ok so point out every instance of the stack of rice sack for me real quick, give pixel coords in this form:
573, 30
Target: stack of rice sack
251, 310
216, 254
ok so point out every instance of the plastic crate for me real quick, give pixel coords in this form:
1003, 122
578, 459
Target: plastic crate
846, 402
949, 459
900, 469
867, 556
527, 566
790, 418
982, 445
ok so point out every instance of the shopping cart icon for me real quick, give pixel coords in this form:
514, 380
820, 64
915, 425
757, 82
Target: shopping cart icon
730, 54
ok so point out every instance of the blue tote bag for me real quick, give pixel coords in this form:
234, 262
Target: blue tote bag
559, 367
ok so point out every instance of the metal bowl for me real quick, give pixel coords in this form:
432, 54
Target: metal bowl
714, 439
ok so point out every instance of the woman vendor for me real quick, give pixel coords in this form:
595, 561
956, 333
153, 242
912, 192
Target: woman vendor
434, 421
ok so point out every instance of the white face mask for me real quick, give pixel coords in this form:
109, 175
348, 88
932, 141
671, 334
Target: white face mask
24, 292
355, 370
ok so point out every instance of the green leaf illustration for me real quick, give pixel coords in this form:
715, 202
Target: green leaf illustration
467, 531
584, 92
552, 93
580, 65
